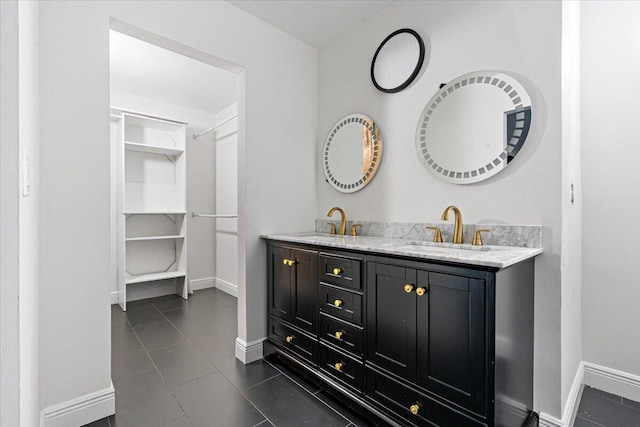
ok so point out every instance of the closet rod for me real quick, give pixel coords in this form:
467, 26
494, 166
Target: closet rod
194, 215
198, 135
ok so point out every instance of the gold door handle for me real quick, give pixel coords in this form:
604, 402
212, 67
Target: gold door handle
338, 366
339, 334
421, 291
414, 409
338, 303
289, 338
408, 288
337, 271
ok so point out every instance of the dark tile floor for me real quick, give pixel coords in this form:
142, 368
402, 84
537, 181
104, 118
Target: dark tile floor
600, 409
173, 365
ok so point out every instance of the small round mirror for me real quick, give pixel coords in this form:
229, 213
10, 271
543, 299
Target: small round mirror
352, 153
473, 127
397, 61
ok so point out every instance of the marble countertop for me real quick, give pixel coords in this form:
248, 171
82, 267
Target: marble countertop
488, 255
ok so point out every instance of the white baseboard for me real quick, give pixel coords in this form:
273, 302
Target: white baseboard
249, 352
205, 283
227, 287
81, 410
612, 381
114, 297
571, 405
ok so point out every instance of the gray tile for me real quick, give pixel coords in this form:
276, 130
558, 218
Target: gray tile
169, 302
159, 335
286, 404
244, 376
631, 403
213, 340
356, 419
309, 386
181, 363
104, 422
601, 394
117, 315
132, 305
581, 422
607, 412
223, 358
265, 423
145, 315
145, 400
131, 363
123, 338
180, 422
214, 398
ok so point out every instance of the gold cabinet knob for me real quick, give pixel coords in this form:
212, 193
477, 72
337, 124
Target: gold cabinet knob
337, 271
408, 288
338, 303
339, 334
414, 409
421, 291
289, 338
338, 366
285, 261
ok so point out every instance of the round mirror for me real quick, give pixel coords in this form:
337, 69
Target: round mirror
397, 61
352, 153
473, 127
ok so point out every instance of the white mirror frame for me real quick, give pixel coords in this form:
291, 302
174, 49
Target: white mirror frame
463, 138
352, 153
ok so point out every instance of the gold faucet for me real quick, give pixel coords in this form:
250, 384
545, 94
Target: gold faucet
457, 231
343, 220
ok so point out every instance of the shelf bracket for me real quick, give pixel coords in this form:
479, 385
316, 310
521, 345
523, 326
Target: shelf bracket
171, 266
171, 218
170, 158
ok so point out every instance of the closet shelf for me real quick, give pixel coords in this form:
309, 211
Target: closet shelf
153, 213
142, 239
146, 148
155, 276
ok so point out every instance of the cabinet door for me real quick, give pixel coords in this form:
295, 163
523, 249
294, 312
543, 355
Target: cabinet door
391, 319
304, 295
451, 338
280, 282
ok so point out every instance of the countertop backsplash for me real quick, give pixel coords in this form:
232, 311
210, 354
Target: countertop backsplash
524, 236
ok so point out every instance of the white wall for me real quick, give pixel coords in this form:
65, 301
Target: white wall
9, 220
611, 174
19, 215
29, 136
519, 37
278, 115
226, 200
571, 264
75, 228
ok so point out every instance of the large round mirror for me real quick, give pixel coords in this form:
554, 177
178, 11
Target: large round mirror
473, 127
352, 153
397, 61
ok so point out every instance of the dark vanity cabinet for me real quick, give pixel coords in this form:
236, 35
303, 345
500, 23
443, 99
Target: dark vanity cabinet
411, 342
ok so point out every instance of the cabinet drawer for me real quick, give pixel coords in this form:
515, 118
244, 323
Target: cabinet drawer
401, 400
342, 334
340, 303
338, 271
293, 340
343, 368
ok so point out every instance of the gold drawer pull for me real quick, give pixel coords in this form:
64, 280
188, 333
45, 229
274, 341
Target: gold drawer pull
421, 291
408, 288
338, 303
289, 338
414, 409
339, 334
338, 366
337, 271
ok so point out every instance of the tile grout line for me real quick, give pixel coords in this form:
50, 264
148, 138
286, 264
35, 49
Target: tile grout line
312, 394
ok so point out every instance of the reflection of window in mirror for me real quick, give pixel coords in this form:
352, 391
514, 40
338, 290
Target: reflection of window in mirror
367, 147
